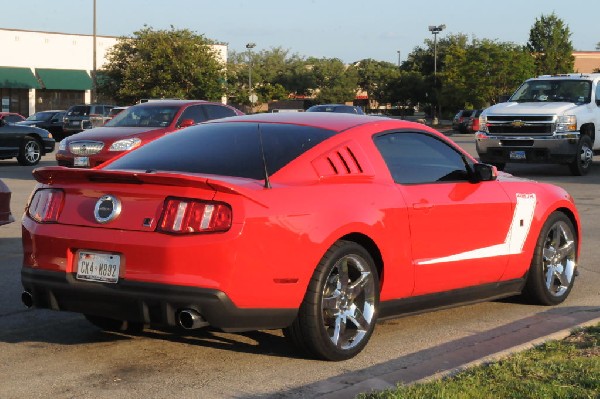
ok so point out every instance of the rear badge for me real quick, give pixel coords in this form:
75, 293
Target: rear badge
107, 208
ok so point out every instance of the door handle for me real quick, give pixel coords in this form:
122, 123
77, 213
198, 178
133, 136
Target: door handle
422, 205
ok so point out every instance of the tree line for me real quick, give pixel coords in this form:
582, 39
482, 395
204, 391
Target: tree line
471, 72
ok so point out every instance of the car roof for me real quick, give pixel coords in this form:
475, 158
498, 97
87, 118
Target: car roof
155, 103
324, 120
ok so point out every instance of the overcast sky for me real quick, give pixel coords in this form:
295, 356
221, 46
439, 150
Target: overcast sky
347, 29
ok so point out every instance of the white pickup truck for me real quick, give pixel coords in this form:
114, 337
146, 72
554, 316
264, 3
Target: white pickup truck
549, 119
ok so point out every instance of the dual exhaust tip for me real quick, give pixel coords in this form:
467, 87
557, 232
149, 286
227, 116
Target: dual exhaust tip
188, 319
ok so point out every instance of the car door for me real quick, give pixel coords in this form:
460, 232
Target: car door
453, 221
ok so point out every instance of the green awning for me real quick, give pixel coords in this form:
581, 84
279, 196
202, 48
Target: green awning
64, 79
17, 78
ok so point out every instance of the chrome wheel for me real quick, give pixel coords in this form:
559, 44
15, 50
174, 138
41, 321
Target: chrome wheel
554, 264
32, 151
339, 311
348, 302
559, 259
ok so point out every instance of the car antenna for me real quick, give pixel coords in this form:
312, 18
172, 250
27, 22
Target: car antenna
264, 161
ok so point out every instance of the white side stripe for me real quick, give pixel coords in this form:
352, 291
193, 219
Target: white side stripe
515, 238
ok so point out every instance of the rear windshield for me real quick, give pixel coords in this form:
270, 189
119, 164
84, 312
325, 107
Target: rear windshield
145, 115
79, 110
226, 149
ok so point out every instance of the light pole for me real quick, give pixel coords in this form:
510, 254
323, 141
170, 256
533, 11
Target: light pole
398, 58
94, 77
435, 30
252, 97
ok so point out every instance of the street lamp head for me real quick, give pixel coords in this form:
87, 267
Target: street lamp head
250, 45
435, 29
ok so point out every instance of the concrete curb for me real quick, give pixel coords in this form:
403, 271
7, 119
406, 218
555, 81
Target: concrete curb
452, 357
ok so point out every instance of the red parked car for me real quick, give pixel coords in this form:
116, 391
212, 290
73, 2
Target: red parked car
317, 223
11, 117
134, 127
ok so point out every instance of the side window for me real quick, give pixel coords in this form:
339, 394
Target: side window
598, 92
218, 111
414, 158
194, 112
12, 118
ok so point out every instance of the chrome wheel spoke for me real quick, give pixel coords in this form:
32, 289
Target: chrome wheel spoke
359, 319
339, 329
563, 252
356, 288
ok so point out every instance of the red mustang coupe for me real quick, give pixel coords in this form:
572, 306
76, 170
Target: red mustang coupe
316, 223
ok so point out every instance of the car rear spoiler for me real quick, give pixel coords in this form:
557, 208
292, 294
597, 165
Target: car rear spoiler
57, 174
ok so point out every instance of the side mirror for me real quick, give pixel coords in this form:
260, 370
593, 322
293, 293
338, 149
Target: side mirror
2, 122
187, 123
484, 172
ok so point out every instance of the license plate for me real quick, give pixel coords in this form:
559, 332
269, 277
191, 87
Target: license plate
81, 161
517, 155
100, 267
74, 123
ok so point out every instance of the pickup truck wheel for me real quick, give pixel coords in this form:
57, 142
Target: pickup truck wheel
583, 159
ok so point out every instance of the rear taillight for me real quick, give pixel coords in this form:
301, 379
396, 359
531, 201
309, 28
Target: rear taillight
184, 216
46, 205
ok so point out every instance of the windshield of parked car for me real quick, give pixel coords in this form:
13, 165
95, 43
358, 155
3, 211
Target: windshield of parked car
225, 149
145, 116
554, 90
79, 110
41, 116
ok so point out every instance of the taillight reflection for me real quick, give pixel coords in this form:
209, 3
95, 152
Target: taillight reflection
46, 205
184, 216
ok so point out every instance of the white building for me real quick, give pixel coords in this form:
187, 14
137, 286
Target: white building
48, 70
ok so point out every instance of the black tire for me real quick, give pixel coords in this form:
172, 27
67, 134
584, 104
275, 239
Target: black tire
582, 163
554, 264
106, 324
30, 152
337, 316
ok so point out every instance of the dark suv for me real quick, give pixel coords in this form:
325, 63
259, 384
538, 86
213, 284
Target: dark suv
134, 127
85, 116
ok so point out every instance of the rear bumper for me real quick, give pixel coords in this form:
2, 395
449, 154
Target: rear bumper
149, 303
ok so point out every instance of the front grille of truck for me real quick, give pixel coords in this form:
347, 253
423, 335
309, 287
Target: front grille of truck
521, 125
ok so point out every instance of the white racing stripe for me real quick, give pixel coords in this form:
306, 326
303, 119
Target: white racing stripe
515, 238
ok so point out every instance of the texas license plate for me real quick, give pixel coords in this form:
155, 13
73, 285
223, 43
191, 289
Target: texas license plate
81, 161
517, 155
101, 267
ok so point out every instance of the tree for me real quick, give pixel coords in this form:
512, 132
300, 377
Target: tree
162, 64
335, 82
375, 78
275, 75
550, 43
476, 76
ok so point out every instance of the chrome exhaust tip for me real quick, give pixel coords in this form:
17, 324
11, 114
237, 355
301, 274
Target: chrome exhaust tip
190, 319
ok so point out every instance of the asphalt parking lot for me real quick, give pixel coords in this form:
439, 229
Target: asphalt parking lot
60, 355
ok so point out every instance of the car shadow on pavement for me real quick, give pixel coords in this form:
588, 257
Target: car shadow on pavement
64, 328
